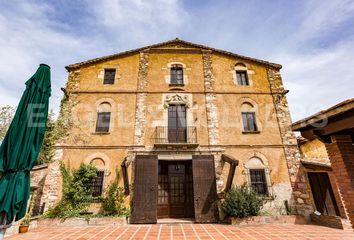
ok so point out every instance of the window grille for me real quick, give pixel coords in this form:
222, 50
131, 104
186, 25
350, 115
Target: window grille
97, 184
259, 181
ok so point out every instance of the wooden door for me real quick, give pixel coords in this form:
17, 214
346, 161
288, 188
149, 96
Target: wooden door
144, 207
175, 190
204, 185
177, 183
323, 194
163, 207
177, 124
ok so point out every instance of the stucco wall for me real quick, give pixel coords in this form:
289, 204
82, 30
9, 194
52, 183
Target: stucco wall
137, 101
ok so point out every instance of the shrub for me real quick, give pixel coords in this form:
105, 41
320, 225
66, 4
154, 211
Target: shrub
113, 202
77, 191
242, 202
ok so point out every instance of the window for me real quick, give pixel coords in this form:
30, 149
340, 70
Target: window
259, 181
242, 78
103, 117
177, 74
177, 124
249, 122
103, 120
97, 184
109, 76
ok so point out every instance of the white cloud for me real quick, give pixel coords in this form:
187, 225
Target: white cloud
317, 76
320, 17
29, 37
319, 80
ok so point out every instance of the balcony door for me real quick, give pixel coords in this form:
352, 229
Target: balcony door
177, 124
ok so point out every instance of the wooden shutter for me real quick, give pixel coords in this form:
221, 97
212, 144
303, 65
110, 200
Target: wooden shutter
204, 185
144, 208
323, 194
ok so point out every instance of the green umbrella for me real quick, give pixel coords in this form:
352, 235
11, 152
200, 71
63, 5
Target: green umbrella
22, 143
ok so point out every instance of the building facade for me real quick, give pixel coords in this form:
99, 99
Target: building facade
178, 123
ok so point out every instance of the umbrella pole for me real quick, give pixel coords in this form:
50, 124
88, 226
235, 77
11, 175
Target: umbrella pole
2, 225
2, 233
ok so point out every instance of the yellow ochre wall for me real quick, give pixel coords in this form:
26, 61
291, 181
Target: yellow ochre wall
83, 144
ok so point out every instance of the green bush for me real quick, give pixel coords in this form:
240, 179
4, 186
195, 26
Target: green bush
113, 202
77, 191
242, 202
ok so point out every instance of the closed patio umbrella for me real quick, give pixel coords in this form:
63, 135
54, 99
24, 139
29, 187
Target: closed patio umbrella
20, 148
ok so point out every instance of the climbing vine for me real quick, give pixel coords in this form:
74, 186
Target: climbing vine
77, 191
58, 129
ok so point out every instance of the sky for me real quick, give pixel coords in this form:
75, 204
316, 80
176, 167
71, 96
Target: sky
312, 39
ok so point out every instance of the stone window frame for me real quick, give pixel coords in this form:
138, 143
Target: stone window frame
101, 73
168, 76
255, 109
94, 120
176, 99
240, 66
262, 164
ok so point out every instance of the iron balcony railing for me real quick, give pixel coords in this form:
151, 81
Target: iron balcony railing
167, 135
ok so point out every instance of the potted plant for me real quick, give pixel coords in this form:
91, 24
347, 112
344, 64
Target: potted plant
24, 224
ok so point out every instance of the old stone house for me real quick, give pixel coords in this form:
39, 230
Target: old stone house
180, 123
327, 152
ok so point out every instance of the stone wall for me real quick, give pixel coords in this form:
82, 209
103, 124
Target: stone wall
141, 99
46, 179
298, 181
210, 99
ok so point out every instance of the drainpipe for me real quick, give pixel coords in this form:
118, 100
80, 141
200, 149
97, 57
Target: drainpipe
124, 167
233, 164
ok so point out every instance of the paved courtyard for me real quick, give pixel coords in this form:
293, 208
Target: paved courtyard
186, 231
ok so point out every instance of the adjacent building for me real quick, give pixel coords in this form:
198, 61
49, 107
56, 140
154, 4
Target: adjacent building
178, 123
328, 158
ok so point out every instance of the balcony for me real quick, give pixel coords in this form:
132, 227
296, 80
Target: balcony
176, 137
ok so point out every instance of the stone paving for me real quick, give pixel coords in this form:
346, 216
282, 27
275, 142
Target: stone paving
185, 231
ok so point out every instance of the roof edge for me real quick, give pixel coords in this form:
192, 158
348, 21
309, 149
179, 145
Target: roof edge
337, 109
176, 40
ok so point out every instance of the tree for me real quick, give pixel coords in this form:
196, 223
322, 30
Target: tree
6, 114
47, 151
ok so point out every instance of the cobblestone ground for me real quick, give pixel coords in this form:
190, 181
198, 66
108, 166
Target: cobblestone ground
186, 231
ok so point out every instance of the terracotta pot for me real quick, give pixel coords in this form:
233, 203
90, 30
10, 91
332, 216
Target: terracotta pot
23, 228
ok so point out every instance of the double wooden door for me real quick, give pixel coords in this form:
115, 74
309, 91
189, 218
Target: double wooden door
323, 194
178, 189
175, 190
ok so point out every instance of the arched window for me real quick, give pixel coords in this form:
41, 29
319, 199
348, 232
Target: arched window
103, 118
97, 183
258, 175
177, 74
248, 118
